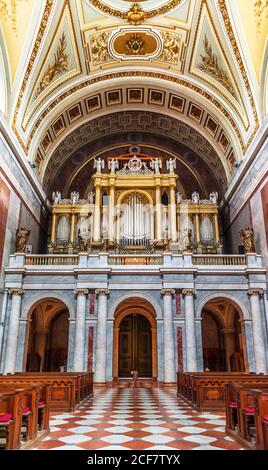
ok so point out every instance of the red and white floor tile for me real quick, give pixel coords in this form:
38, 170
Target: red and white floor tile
137, 419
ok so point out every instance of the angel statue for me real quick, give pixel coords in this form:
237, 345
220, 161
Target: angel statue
113, 165
22, 237
247, 236
156, 165
171, 165
56, 197
90, 197
195, 198
82, 243
213, 198
178, 197
74, 197
98, 164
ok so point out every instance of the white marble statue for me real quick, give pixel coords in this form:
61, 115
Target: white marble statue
195, 198
113, 165
213, 198
178, 197
56, 196
98, 164
74, 197
90, 197
171, 165
156, 165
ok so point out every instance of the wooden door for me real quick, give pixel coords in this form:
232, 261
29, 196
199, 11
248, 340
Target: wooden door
135, 346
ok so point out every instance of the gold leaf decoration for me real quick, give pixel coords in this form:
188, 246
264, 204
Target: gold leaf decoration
211, 66
99, 48
171, 47
260, 6
59, 66
135, 45
8, 9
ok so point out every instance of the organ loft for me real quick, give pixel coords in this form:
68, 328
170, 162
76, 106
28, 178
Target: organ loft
135, 205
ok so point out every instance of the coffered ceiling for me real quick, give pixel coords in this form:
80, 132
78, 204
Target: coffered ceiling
66, 64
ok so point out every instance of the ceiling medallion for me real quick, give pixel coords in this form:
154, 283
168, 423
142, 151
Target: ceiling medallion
135, 15
135, 45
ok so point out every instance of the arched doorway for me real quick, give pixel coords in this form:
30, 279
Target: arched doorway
222, 337
47, 345
135, 345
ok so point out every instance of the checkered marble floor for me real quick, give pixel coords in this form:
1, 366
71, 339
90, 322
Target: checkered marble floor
136, 419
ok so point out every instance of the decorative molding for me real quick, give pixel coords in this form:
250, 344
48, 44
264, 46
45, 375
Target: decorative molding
59, 66
233, 42
81, 291
258, 292
210, 65
172, 47
99, 48
168, 291
135, 15
15, 291
188, 291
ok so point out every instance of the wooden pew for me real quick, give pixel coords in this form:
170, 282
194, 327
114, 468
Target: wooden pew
247, 414
205, 390
67, 389
7, 421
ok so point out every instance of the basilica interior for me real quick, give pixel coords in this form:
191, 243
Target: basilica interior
134, 218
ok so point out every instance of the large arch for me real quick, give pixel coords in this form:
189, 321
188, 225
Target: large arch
134, 306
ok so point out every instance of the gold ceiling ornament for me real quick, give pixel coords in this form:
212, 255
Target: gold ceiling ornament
135, 45
8, 9
99, 48
260, 7
171, 47
136, 14
210, 65
58, 67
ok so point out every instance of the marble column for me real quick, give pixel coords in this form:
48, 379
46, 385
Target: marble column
80, 327
13, 330
257, 326
158, 214
111, 214
229, 345
191, 356
173, 221
169, 345
101, 340
41, 343
96, 221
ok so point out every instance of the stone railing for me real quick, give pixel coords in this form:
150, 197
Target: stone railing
51, 260
219, 260
135, 259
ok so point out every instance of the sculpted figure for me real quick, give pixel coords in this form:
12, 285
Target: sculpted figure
113, 165
195, 198
171, 165
90, 197
247, 236
82, 243
74, 197
56, 197
178, 197
22, 237
213, 198
156, 165
98, 164
187, 239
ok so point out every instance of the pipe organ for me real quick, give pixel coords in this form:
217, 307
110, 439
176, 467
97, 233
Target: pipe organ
141, 208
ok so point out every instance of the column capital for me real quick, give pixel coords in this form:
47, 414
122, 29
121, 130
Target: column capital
15, 292
255, 292
188, 292
168, 291
102, 291
81, 291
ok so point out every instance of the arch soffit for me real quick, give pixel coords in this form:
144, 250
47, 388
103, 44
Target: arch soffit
136, 295
240, 306
34, 301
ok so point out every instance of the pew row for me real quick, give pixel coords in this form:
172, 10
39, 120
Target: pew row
247, 415
66, 390
205, 390
24, 411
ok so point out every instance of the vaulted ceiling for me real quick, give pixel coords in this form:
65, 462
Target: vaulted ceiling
76, 71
